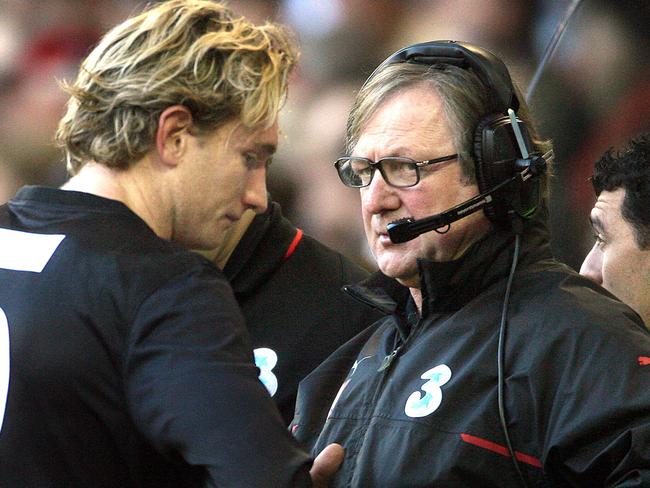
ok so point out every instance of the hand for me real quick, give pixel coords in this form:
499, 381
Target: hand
325, 465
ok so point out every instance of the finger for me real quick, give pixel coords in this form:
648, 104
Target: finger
326, 465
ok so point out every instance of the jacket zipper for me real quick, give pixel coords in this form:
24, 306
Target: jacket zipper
383, 370
388, 359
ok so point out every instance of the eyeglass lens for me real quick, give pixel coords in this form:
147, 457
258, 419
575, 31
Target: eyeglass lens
396, 171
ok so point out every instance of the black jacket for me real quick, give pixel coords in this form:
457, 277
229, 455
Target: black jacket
289, 288
127, 359
577, 380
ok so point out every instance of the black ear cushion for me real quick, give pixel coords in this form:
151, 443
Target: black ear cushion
495, 152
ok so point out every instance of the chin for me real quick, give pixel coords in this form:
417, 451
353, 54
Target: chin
205, 242
395, 256
213, 243
406, 275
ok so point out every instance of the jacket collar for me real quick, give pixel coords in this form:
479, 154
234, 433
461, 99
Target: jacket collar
448, 286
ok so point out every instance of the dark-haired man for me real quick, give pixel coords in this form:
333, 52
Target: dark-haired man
620, 257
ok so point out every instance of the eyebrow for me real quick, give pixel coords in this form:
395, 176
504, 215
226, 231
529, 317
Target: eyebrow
398, 151
393, 153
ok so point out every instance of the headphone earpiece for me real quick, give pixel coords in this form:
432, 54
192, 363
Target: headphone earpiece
496, 158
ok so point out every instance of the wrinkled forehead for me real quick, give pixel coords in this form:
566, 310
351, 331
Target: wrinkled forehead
409, 121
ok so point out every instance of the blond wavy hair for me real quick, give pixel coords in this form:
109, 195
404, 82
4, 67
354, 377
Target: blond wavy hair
196, 53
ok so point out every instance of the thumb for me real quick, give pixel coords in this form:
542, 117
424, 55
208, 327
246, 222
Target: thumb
326, 464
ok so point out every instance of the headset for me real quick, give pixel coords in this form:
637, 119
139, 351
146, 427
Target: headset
507, 170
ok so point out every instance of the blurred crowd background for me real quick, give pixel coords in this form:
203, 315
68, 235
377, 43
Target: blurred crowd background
594, 94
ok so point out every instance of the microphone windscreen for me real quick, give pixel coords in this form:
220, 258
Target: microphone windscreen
400, 231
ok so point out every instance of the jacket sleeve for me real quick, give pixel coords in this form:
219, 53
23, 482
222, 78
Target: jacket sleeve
598, 424
194, 392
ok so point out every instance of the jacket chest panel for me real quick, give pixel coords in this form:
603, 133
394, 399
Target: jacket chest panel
426, 382
433, 398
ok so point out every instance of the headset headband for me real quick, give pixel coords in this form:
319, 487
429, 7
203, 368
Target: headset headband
490, 69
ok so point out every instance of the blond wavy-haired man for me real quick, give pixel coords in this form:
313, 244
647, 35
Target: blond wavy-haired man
124, 360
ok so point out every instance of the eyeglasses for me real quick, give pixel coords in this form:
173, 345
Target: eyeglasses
399, 172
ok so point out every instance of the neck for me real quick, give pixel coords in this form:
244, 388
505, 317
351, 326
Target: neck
135, 187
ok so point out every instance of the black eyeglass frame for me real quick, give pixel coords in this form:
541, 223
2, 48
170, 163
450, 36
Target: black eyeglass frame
377, 164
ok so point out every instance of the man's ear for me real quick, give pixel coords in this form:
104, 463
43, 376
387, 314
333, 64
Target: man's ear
174, 127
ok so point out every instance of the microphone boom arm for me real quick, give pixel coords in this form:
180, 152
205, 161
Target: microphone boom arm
404, 230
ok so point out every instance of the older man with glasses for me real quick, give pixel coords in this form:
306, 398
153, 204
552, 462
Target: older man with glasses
495, 365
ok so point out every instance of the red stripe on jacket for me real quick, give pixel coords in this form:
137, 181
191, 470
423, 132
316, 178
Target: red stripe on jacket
294, 244
499, 449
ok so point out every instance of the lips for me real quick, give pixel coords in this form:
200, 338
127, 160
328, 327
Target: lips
382, 237
382, 228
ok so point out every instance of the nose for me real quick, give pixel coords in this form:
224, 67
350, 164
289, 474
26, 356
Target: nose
255, 196
592, 266
379, 196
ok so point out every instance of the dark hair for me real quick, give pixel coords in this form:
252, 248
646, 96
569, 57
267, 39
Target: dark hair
629, 169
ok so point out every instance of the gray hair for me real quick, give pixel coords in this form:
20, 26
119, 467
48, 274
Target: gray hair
465, 102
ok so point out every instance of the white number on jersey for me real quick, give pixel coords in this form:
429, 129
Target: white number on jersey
419, 405
266, 359
20, 251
